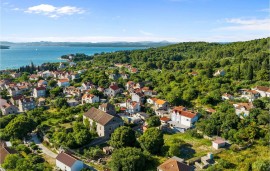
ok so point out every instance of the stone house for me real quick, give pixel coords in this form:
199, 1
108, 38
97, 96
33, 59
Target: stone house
105, 123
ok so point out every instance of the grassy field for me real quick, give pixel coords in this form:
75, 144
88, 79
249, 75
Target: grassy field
241, 160
189, 146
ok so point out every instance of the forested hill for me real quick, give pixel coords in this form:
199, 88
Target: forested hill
193, 50
169, 69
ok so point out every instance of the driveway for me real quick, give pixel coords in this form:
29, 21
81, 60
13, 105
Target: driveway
44, 149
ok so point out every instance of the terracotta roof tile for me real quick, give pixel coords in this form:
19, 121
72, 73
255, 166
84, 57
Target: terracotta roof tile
174, 165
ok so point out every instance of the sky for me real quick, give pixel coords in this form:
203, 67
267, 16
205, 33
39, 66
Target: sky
134, 20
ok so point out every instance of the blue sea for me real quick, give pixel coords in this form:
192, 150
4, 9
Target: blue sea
18, 56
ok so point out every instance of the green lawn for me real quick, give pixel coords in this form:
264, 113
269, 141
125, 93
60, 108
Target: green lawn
189, 146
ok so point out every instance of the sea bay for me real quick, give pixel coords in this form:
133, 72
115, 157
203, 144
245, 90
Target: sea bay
18, 56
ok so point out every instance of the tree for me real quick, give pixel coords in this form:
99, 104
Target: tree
153, 121
82, 137
127, 159
93, 153
10, 161
261, 165
52, 83
250, 72
152, 140
258, 103
55, 92
60, 102
19, 127
123, 137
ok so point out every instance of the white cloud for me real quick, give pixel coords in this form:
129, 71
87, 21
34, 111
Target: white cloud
16, 9
146, 33
265, 10
247, 24
54, 12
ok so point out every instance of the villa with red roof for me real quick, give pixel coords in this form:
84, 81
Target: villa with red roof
183, 118
89, 98
113, 90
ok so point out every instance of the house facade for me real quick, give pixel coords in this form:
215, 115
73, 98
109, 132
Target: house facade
105, 123
263, 90
9, 109
183, 118
63, 82
39, 92
26, 104
89, 98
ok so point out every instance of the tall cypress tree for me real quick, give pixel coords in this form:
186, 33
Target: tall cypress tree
250, 72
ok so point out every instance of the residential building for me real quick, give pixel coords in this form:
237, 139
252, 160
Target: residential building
105, 123
137, 97
15, 99
39, 92
219, 73
133, 107
108, 108
263, 90
42, 83
174, 164
243, 108
227, 96
218, 143
9, 109
72, 102
113, 90
67, 162
89, 98
26, 104
161, 104
63, 82
183, 118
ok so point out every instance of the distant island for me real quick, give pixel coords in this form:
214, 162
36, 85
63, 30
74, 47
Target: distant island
4, 47
90, 44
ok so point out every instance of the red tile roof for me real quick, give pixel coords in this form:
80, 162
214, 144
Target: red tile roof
40, 88
165, 119
114, 87
174, 165
188, 114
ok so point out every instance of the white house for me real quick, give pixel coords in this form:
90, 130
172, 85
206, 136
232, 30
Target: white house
113, 90
42, 83
133, 107
242, 108
227, 96
182, 118
63, 82
67, 162
264, 91
137, 97
46, 74
218, 143
219, 73
9, 109
39, 92
89, 98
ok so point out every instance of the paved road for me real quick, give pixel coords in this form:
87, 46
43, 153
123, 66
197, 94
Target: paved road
44, 149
